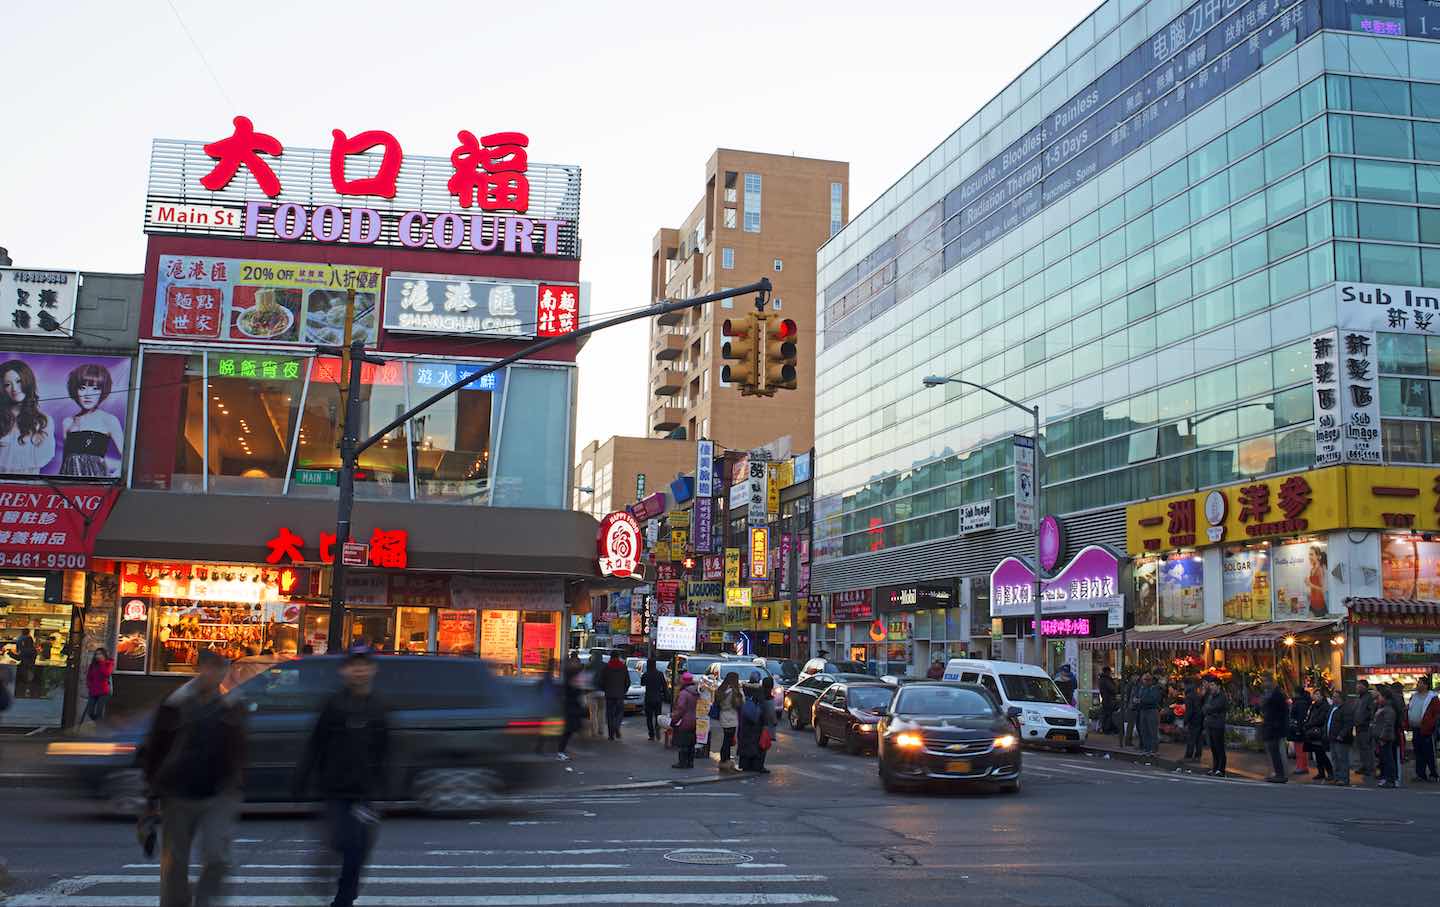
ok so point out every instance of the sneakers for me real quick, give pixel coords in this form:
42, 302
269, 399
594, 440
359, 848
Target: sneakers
1276, 779
1386, 784
562, 757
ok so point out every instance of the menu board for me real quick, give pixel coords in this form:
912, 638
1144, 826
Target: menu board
539, 645
456, 631
498, 632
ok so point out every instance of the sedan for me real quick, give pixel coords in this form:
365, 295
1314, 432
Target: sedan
941, 731
850, 713
799, 702
635, 695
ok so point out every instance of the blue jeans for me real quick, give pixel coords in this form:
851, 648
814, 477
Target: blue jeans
1149, 727
614, 714
351, 839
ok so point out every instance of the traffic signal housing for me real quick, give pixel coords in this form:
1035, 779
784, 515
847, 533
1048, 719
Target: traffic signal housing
743, 342
778, 362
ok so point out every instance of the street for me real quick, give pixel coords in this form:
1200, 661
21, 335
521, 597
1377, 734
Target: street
1083, 831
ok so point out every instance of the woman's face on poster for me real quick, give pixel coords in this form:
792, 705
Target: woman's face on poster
89, 396
14, 387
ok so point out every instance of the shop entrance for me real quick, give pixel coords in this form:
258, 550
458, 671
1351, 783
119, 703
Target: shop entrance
374, 625
39, 685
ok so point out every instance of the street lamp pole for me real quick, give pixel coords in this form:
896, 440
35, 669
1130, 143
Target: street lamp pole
1034, 413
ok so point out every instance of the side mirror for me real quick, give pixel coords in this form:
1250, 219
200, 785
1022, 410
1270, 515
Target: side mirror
1014, 713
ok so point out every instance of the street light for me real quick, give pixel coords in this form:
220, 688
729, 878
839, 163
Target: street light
1034, 412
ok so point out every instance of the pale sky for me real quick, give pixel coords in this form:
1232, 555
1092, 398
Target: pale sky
630, 91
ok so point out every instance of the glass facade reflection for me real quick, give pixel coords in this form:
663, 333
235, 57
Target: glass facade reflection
1140, 234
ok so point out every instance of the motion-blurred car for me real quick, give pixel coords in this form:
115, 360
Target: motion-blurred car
850, 712
799, 702
945, 731
459, 734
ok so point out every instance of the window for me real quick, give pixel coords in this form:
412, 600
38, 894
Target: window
730, 218
727, 259
730, 188
384, 469
170, 437
752, 203
837, 193
1024, 688
779, 265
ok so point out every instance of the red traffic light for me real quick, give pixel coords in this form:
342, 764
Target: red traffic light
785, 329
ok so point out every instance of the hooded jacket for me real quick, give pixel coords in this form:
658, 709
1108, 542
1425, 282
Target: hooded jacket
615, 679
682, 713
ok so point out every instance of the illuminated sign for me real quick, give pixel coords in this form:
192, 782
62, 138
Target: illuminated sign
1063, 626
388, 548
619, 544
1090, 582
759, 553
481, 307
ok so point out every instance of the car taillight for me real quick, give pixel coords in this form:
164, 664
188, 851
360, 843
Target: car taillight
545, 727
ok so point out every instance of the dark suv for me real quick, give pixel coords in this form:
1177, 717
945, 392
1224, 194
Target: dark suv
459, 733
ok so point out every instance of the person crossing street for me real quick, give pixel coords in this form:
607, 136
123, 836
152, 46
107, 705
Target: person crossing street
614, 683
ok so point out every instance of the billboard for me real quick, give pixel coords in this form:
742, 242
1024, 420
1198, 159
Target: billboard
63, 415
36, 303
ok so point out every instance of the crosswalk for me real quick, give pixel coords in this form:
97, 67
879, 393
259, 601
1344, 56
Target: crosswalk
622, 871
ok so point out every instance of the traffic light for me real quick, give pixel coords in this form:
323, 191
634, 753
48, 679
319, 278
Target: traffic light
778, 359
742, 346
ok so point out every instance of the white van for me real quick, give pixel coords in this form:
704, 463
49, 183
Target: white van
1045, 717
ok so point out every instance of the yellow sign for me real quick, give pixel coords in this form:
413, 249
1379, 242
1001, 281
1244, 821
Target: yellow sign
787, 473
662, 551
759, 553
678, 519
777, 639
772, 488
679, 538
732, 568
737, 597
1294, 504
1394, 497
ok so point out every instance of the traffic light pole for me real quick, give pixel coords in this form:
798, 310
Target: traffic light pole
351, 447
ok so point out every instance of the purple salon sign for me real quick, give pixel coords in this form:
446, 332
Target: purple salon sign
1090, 582
1050, 543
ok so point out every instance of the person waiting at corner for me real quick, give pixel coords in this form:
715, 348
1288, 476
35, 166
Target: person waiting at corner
1424, 716
682, 721
1276, 720
614, 683
1216, 705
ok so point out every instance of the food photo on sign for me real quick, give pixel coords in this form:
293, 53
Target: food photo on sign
63, 415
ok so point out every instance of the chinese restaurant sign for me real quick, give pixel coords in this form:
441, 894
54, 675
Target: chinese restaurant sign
852, 604
51, 528
38, 303
1090, 582
364, 191
618, 544
388, 548
441, 304
73, 411
234, 300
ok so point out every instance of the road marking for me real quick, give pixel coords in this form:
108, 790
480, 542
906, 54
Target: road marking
413, 866
501, 900
776, 878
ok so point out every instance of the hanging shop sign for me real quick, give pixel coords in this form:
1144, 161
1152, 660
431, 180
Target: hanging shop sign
732, 568
759, 553
1346, 398
51, 528
814, 608
619, 544
364, 190
712, 566
1328, 404
388, 548
37, 303
1024, 481
478, 307
977, 517
1284, 505
1052, 542
1090, 582
704, 469
921, 597
737, 597
852, 604
702, 527
72, 414
648, 508
705, 590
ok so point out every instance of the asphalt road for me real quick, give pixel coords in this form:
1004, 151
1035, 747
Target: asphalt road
1083, 831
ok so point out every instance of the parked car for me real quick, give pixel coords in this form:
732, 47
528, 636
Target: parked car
822, 665
799, 701
1044, 715
850, 711
696, 663
459, 733
942, 731
635, 696
717, 672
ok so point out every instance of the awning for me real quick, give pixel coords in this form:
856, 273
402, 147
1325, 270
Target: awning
1173, 638
1268, 635
1391, 606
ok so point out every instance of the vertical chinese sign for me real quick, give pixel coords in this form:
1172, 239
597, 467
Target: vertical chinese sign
1325, 375
1358, 380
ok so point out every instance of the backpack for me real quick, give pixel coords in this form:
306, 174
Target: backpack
750, 711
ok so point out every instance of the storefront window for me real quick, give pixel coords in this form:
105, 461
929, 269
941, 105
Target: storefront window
40, 692
531, 467
412, 634
170, 437
1299, 575
383, 472
1181, 588
452, 439
1146, 574
1246, 584
1410, 568
253, 400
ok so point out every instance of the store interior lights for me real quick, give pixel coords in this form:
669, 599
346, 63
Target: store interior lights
1289, 641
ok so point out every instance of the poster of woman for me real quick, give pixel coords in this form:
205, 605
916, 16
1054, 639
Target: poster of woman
63, 415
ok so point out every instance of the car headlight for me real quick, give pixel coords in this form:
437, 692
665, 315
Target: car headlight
1006, 742
1031, 715
909, 741
866, 728
787, 702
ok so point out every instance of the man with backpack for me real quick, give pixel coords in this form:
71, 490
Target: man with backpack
193, 760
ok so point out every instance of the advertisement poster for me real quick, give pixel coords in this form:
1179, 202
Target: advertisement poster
204, 298
456, 631
1246, 584
1299, 570
498, 631
1410, 569
732, 568
418, 590
676, 634
130, 646
539, 646
1182, 594
69, 414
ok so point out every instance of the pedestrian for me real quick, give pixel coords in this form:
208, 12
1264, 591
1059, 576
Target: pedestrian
97, 685
614, 683
594, 697
1108, 694
347, 759
26, 653
1194, 719
1340, 733
1147, 709
1216, 705
1424, 713
653, 680
937, 670
1274, 713
1129, 701
725, 714
769, 720
1065, 680
1364, 747
1402, 723
682, 721
1299, 712
1315, 743
193, 761
751, 724
1383, 730
573, 699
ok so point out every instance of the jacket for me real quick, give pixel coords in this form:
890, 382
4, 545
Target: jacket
1276, 715
682, 713
1383, 727
1364, 712
1216, 705
729, 703
347, 754
1424, 713
615, 680
1341, 727
196, 746
1195, 707
97, 676
1315, 723
1299, 711
25, 651
654, 683
1149, 698
1108, 689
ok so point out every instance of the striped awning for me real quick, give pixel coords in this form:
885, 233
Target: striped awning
1391, 606
1170, 638
1269, 635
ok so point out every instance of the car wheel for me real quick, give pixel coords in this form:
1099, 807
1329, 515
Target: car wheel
821, 738
455, 790
796, 721
124, 793
852, 746
1010, 787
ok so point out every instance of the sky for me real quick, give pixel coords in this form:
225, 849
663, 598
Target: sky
638, 94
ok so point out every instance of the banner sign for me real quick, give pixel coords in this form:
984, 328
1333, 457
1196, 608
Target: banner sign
704, 469
480, 307
51, 528
38, 303
1090, 582
732, 568
759, 553
977, 517
703, 524
72, 414
1024, 482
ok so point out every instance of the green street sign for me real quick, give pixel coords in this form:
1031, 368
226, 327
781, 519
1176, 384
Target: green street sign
316, 477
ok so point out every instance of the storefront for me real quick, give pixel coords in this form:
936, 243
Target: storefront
852, 632
919, 618
1079, 599
1394, 640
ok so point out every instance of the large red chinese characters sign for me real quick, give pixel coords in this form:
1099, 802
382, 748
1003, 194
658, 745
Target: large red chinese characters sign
490, 172
388, 548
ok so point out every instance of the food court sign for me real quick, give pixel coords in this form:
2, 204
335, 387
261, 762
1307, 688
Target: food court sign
364, 190
1090, 582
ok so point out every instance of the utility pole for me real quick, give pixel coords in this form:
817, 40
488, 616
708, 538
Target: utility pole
351, 447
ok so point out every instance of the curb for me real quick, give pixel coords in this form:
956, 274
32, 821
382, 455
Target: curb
1157, 761
672, 782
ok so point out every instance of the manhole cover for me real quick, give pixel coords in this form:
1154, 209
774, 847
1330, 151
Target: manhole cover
1380, 823
706, 856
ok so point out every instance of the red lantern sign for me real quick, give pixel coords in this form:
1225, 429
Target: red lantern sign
618, 544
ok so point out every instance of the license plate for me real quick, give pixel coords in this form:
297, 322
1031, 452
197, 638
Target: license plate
958, 766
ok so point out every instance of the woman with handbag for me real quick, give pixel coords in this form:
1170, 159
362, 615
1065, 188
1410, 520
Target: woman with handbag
725, 714
769, 720
1315, 743
1299, 714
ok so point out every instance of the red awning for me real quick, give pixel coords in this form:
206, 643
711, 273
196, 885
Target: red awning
1391, 606
1268, 635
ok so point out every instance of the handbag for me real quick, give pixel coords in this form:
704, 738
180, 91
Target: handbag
766, 738
715, 710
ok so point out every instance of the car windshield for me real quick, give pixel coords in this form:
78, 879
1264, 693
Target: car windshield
869, 697
943, 701
744, 670
1024, 688
634, 678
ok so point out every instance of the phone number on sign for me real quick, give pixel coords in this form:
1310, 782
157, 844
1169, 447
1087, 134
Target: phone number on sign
43, 560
